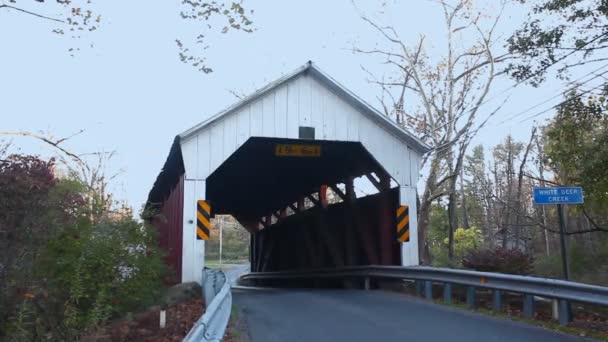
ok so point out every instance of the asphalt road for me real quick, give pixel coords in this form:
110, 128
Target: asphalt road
235, 271
352, 315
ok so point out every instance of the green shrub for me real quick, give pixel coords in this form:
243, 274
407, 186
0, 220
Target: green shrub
68, 262
96, 272
464, 241
549, 266
501, 260
587, 264
86, 275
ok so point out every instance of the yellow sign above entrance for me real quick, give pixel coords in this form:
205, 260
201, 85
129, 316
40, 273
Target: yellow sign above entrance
289, 150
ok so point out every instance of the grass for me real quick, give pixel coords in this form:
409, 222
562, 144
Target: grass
226, 264
544, 324
237, 327
235, 315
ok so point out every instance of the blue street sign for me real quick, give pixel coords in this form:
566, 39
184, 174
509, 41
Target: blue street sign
559, 195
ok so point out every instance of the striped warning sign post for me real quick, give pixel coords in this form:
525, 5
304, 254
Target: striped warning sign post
203, 220
403, 223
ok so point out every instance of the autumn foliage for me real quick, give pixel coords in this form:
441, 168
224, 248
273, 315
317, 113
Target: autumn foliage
63, 270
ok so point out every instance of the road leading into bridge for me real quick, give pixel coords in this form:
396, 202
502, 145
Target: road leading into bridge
351, 315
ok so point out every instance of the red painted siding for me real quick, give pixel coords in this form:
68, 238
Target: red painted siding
169, 223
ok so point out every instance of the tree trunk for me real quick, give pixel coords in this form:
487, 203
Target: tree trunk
424, 213
452, 223
463, 202
452, 210
520, 177
541, 174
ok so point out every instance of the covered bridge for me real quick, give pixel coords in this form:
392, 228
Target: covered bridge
269, 159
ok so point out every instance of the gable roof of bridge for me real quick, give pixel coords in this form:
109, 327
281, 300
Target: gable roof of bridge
311, 69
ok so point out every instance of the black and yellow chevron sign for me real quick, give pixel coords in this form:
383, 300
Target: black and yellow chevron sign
203, 220
403, 223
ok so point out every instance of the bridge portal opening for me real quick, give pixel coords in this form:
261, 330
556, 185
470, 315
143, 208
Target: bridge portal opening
281, 191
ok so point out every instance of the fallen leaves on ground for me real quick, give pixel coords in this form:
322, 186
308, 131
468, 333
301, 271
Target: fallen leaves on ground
145, 326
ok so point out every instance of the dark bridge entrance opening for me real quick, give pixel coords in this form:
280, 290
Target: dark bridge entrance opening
277, 189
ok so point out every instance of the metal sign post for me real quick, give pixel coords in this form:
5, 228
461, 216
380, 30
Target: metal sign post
560, 196
562, 241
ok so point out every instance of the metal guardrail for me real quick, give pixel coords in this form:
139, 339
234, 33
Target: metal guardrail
212, 324
562, 290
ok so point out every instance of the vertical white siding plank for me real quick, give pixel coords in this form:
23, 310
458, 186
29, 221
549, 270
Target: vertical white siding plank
230, 129
217, 145
341, 113
364, 133
402, 163
414, 164
390, 149
268, 115
256, 118
329, 117
280, 112
353, 119
190, 156
293, 109
305, 103
243, 124
318, 93
203, 154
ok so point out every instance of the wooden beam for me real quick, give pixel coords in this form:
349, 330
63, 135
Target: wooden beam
385, 181
349, 185
267, 253
314, 200
338, 192
277, 214
294, 208
252, 226
263, 222
330, 241
373, 180
323, 195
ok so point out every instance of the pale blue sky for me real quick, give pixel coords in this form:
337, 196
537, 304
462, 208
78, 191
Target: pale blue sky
131, 94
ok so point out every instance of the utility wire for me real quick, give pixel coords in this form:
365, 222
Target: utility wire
545, 68
561, 103
537, 114
561, 93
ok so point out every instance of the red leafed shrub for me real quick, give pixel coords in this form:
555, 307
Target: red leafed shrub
501, 260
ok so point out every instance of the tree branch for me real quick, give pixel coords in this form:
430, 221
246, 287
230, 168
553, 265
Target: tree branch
48, 141
30, 13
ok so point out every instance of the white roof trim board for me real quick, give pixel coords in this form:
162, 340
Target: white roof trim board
333, 85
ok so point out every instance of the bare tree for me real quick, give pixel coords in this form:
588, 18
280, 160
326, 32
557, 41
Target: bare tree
90, 169
440, 99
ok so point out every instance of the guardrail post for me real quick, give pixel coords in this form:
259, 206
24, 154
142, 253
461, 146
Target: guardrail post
554, 309
471, 297
528, 306
447, 293
497, 300
564, 312
419, 288
428, 289
366, 283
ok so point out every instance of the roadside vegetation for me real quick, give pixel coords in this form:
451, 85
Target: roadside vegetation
71, 258
476, 208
